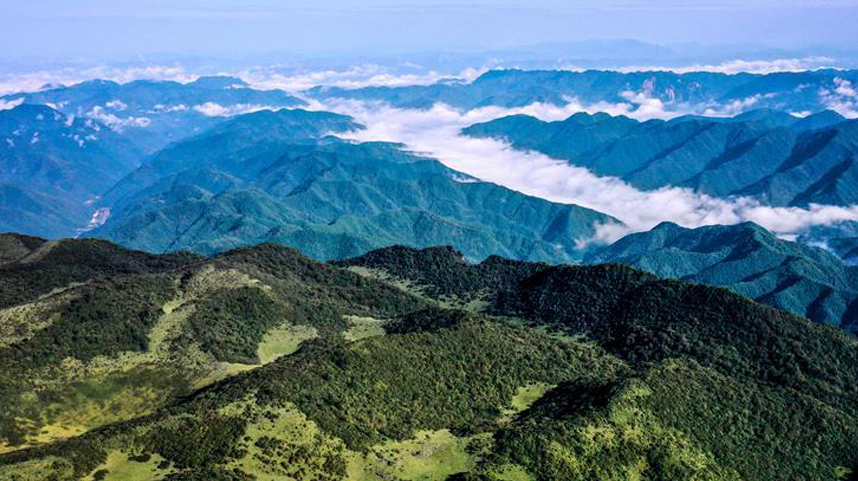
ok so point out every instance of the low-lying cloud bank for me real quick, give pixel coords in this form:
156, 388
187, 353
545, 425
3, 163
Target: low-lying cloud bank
8, 105
116, 123
36, 80
842, 98
749, 66
359, 76
212, 109
436, 133
291, 80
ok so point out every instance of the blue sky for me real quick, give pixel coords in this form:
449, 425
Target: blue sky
66, 29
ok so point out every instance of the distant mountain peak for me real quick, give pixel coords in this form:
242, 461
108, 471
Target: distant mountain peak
219, 82
768, 116
588, 118
667, 225
299, 120
97, 83
52, 86
819, 120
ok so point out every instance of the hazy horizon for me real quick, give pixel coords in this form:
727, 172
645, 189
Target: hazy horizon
98, 30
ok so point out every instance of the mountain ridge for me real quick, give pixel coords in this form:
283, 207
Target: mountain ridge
806, 280
798, 91
782, 165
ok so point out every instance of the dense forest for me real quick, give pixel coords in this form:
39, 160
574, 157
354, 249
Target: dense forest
261, 363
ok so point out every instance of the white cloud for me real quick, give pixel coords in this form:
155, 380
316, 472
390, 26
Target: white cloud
841, 98
737, 106
162, 109
99, 217
211, 109
35, 81
748, 66
116, 105
606, 233
436, 133
647, 107
119, 124
4, 105
844, 87
352, 78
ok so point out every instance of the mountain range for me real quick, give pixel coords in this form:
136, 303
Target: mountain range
280, 176
811, 91
773, 156
765, 153
154, 113
274, 177
260, 363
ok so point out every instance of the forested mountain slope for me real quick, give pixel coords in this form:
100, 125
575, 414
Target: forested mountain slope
697, 91
276, 177
747, 259
780, 160
412, 363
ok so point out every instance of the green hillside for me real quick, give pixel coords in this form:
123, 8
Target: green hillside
499, 370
